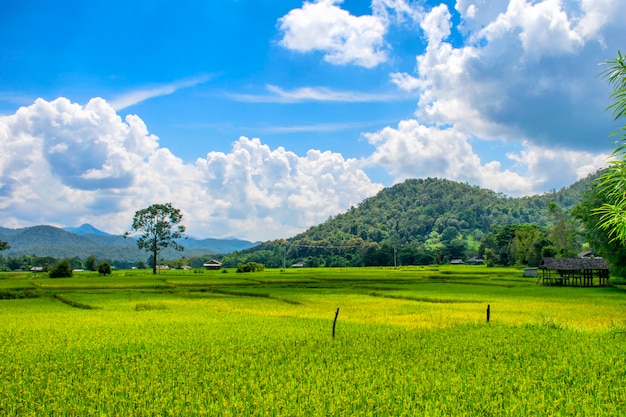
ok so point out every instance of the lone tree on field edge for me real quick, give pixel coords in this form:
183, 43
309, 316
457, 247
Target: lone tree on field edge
157, 225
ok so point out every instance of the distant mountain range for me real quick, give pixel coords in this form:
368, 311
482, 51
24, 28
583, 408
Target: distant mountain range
86, 240
86, 229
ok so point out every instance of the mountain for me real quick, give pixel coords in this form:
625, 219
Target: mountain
87, 240
85, 229
418, 214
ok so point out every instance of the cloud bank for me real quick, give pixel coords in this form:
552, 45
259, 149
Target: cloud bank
66, 164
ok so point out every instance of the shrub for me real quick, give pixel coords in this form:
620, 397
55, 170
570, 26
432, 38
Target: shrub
250, 267
63, 269
104, 268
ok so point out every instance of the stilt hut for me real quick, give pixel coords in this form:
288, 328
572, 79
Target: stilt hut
574, 271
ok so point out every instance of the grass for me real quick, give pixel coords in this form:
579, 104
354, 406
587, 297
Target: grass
409, 341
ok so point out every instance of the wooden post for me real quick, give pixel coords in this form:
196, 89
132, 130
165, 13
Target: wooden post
335, 321
488, 312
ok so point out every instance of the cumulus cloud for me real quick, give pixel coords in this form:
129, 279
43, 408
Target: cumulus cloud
414, 150
342, 38
527, 72
64, 163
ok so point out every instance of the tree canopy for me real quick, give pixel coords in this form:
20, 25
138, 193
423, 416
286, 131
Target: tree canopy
425, 221
613, 181
158, 227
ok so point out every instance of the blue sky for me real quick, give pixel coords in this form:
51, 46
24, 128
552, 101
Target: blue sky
261, 118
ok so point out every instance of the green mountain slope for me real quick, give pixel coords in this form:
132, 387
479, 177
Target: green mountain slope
416, 208
418, 213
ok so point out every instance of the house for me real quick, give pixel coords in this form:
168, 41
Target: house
530, 272
475, 261
212, 264
574, 271
299, 265
456, 262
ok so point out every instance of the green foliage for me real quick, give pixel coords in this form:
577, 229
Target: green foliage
91, 263
159, 228
62, 269
514, 244
417, 222
16, 294
104, 268
250, 267
75, 304
598, 238
4, 245
613, 181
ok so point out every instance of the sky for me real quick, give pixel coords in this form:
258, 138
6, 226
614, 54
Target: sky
261, 118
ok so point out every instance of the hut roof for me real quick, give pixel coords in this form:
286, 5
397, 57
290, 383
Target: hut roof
573, 264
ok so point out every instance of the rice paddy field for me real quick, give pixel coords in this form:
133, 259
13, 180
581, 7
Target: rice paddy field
408, 341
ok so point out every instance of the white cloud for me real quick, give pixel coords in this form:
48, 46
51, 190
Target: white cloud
527, 71
342, 37
65, 164
308, 94
436, 24
271, 190
413, 150
137, 96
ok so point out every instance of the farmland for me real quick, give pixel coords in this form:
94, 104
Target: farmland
409, 341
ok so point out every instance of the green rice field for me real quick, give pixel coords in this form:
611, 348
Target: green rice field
409, 341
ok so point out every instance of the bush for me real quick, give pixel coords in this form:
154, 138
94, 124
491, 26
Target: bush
63, 269
104, 268
250, 267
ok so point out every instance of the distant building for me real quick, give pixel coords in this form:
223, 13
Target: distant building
456, 262
530, 272
574, 271
212, 264
299, 265
475, 261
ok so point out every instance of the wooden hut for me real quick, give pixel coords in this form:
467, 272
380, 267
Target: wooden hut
574, 271
212, 264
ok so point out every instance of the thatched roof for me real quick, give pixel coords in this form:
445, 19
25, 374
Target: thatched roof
573, 264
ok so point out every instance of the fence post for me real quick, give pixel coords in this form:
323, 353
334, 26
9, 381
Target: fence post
335, 321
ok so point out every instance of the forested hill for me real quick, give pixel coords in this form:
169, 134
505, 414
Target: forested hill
417, 207
421, 213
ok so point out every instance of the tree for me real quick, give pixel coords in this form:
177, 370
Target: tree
4, 245
91, 263
159, 228
613, 180
598, 239
104, 268
63, 269
563, 233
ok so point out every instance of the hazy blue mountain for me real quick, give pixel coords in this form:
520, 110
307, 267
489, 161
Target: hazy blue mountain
86, 229
86, 240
